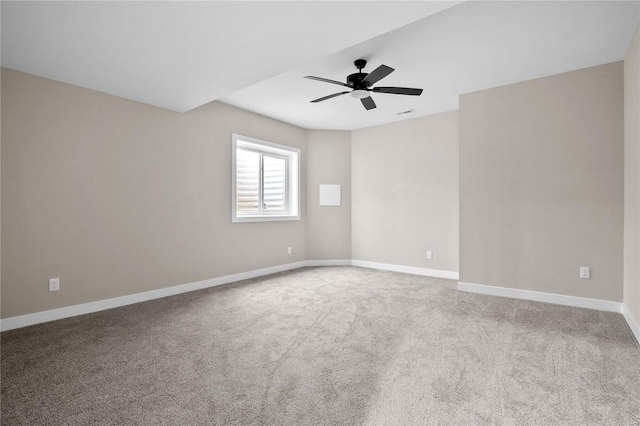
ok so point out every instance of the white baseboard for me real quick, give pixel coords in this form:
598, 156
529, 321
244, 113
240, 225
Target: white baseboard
557, 299
346, 262
101, 305
633, 325
437, 273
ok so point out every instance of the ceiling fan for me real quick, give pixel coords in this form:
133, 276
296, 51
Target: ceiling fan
361, 83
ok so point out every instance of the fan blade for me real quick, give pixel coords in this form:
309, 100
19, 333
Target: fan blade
398, 90
378, 74
326, 80
368, 103
328, 97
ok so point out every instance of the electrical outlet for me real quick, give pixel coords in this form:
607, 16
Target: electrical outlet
429, 255
54, 284
288, 250
585, 272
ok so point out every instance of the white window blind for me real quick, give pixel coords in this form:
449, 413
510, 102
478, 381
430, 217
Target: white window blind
248, 181
274, 175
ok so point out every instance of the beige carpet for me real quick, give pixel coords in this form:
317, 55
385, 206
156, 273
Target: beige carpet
334, 345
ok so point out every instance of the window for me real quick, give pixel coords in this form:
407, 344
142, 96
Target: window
265, 181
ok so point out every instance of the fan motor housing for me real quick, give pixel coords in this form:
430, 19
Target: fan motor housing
355, 80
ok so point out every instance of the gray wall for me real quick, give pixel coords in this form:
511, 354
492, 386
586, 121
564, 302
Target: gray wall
116, 197
405, 192
328, 162
541, 184
632, 178
0, 200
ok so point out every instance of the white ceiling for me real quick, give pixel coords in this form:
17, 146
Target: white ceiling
180, 55
466, 48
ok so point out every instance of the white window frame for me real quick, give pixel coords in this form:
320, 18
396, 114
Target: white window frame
292, 157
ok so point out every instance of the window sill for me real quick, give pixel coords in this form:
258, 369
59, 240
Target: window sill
274, 218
